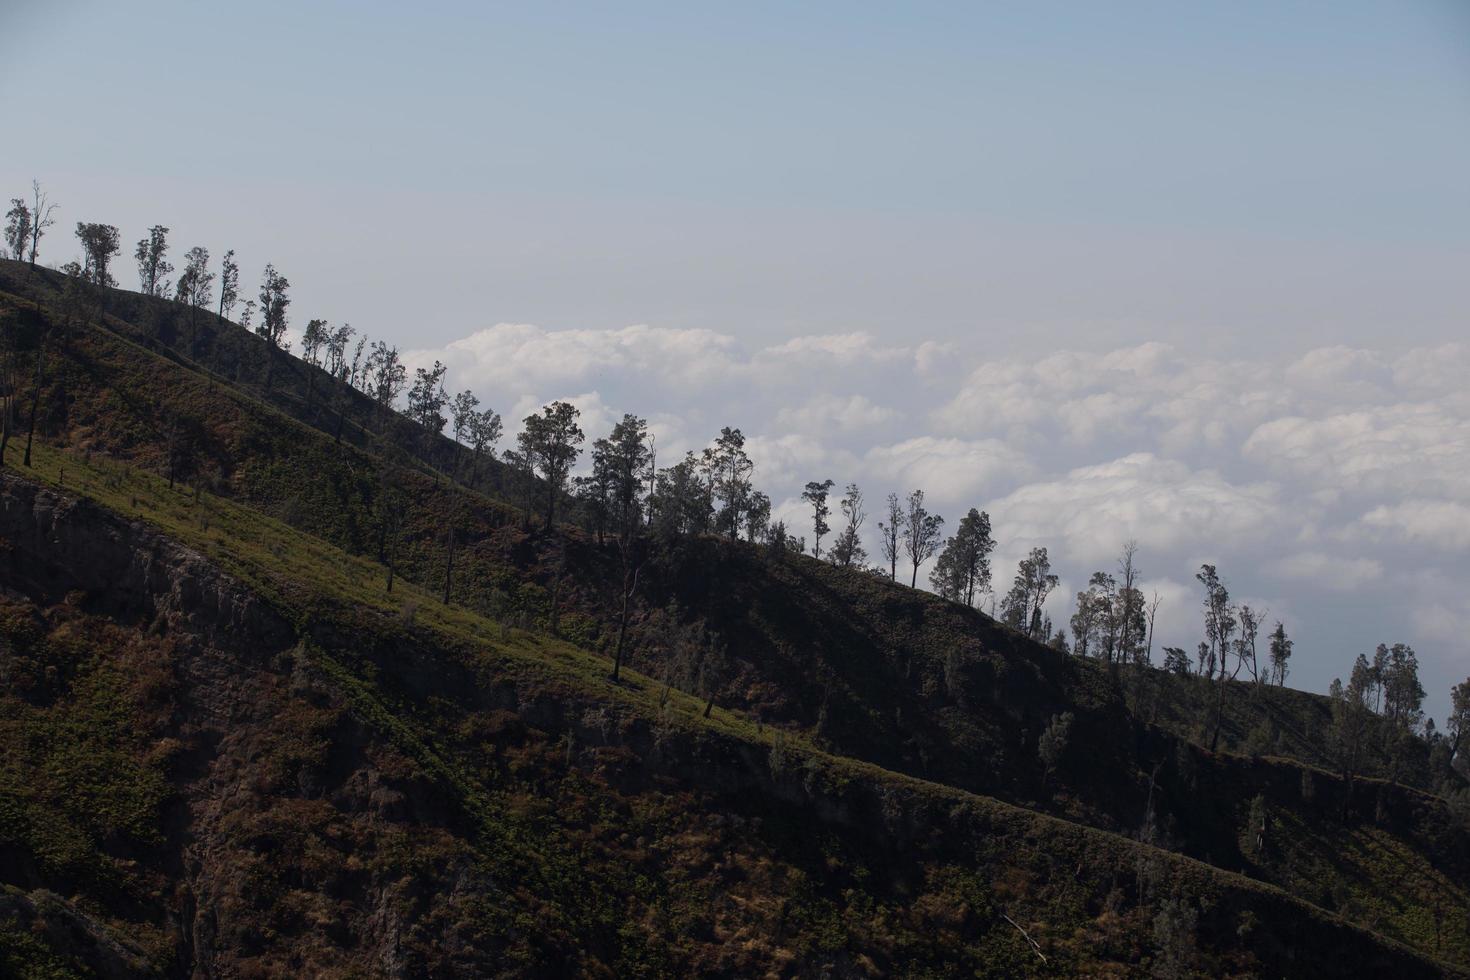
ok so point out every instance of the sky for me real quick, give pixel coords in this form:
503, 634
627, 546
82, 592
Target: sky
1190, 274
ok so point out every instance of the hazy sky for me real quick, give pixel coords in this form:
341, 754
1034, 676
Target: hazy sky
1191, 273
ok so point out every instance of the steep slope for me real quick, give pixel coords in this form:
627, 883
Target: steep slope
840, 664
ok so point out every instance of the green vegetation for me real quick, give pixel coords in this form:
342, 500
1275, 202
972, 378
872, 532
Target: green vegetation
224, 736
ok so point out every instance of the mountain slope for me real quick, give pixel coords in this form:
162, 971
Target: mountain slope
827, 805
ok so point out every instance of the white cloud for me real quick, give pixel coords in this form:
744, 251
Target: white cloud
829, 413
947, 470
1162, 504
1443, 524
1338, 572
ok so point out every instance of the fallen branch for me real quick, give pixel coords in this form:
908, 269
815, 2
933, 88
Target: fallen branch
1034, 944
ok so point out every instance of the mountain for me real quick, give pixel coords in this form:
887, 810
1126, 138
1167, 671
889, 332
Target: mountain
227, 747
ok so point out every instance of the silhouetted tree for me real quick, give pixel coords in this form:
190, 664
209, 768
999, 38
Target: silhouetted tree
921, 531
484, 432
889, 531
40, 210
99, 244
847, 550
427, 398
757, 517
816, 495
962, 572
229, 284
196, 282
386, 376
549, 442
273, 322
461, 414
153, 268
624, 459
729, 472
1176, 661
17, 229
1021, 608
313, 345
1280, 654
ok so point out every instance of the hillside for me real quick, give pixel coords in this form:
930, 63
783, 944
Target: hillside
229, 748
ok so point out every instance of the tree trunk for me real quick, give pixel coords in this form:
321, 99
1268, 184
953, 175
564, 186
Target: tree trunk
35, 401
628, 590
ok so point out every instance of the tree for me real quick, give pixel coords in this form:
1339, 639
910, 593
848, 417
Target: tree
484, 429
1092, 622
1176, 661
41, 208
1351, 711
625, 458
847, 550
196, 282
889, 531
1219, 627
921, 531
729, 470
99, 244
229, 284
549, 443
313, 345
462, 411
680, 504
1403, 695
273, 323
1021, 608
426, 399
1052, 745
757, 517
1245, 646
1458, 723
1129, 617
153, 268
385, 375
962, 572
1280, 654
816, 495
17, 229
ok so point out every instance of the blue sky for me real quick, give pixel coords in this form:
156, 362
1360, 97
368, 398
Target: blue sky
1185, 272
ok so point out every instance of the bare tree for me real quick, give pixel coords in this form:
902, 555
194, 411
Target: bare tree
921, 533
41, 208
889, 531
816, 495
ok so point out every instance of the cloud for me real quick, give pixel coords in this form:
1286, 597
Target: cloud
832, 413
1337, 572
1162, 504
1442, 524
948, 470
1415, 449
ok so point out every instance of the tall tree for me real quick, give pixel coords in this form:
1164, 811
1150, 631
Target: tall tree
847, 550
99, 244
758, 517
196, 282
889, 531
484, 433
816, 495
1458, 723
462, 411
314, 342
1280, 653
41, 209
962, 573
153, 267
386, 376
627, 457
680, 504
273, 302
229, 284
549, 441
921, 533
1023, 604
427, 397
729, 472
1403, 695
1220, 623
17, 229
